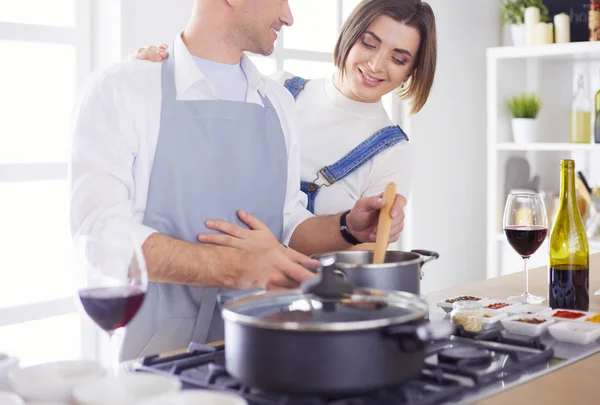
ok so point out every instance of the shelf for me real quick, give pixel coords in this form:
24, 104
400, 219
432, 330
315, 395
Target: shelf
570, 51
548, 147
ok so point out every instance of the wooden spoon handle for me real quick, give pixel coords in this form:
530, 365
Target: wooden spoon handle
384, 224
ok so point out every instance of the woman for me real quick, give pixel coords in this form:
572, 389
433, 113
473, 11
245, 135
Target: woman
350, 148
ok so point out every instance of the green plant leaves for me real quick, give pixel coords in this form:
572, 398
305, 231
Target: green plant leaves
525, 105
512, 11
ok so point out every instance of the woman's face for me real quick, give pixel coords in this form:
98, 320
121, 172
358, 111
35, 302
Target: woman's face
380, 61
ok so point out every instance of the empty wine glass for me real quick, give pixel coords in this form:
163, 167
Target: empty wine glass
525, 226
113, 283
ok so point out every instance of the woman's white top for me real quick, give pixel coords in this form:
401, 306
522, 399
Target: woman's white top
330, 125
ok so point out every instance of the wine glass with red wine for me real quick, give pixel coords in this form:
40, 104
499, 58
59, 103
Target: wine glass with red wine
114, 281
525, 227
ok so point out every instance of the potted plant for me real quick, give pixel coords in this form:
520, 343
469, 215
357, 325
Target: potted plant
512, 15
524, 109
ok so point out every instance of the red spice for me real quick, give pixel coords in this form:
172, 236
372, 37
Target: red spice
567, 314
497, 305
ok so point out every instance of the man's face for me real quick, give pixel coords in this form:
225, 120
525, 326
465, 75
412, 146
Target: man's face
259, 23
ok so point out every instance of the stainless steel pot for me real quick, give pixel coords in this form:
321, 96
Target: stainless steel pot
328, 338
401, 271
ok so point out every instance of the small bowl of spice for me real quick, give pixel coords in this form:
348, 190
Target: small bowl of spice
565, 314
468, 314
495, 307
594, 318
575, 332
447, 304
523, 324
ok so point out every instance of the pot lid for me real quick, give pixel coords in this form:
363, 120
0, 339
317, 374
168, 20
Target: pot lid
294, 310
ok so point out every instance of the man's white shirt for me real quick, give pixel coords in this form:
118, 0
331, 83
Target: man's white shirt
116, 132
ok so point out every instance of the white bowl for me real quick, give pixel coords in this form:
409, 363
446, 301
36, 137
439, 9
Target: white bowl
585, 319
492, 318
10, 398
52, 381
47, 403
195, 397
124, 389
447, 306
512, 325
7, 364
575, 332
550, 314
491, 311
526, 309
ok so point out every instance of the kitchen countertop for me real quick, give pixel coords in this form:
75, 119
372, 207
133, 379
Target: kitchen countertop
575, 383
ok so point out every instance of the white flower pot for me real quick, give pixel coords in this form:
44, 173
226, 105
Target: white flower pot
517, 34
525, 130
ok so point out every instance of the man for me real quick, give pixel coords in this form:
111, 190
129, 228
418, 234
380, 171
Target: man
162, 149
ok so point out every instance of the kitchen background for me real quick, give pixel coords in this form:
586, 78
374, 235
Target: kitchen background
462, 139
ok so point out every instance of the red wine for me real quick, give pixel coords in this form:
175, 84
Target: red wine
570, 287
112, 307
525, 239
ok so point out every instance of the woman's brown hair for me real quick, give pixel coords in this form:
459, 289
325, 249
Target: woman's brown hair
412, 13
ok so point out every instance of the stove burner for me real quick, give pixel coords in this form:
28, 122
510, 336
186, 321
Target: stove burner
453, 368
466, 356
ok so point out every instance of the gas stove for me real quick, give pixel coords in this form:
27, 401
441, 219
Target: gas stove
458, 369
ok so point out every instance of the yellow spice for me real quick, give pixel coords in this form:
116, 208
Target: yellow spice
595, 318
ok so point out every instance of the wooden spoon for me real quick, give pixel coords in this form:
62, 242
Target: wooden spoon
384, 224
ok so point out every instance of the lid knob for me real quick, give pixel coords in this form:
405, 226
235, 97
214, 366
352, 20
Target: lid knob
328, 284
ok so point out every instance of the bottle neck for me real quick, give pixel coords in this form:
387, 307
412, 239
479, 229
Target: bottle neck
567, 185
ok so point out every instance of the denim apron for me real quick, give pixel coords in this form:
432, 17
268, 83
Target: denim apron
212, 158
353, 160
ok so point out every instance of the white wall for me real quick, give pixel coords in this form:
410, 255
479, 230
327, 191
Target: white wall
119, 27
449, 135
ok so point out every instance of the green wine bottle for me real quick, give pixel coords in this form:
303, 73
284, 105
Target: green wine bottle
569, 276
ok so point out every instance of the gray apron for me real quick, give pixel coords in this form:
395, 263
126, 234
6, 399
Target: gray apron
212, 158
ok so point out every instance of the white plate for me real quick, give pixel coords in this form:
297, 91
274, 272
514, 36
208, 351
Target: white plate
124, 389
493, 318
491, 311
513, 326
195, 397
447, 306
52, 381
7, 364
10, 398
526, 308
575, 332
550, 314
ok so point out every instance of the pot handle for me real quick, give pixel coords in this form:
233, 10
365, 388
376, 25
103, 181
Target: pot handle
424, 332
328, 284
430, 255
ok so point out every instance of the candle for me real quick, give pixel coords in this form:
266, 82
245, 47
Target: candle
562, 28
540, 33
543, 33
531, 19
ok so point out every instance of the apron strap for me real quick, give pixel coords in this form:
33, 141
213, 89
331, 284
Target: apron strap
295, 85
376, 143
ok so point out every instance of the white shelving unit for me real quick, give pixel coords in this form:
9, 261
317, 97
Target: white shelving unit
548, 70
